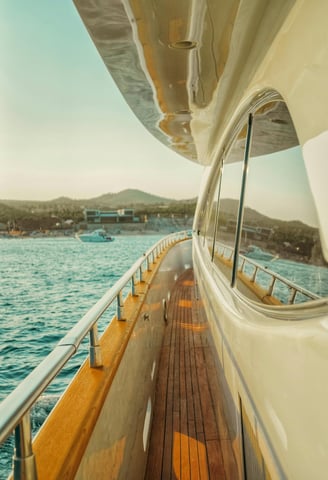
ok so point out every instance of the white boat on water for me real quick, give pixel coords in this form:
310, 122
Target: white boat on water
204, 371
257, 253
97, 236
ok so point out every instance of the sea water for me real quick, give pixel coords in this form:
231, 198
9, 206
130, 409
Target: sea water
46, 286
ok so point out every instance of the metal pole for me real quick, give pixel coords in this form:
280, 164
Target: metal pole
148, 264
133, 285
241, 202
24, 465
140, 274
119, 306
95, 349
216, 220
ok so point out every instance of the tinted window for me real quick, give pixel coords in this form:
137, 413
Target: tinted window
221, 238
279, 257
279, 237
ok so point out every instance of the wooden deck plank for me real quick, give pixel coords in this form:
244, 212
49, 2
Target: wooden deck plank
193, 448
202, 455
185, 441
196, 396
167, 450
215, 461
176, 455
183, 398
215, 392
208, 414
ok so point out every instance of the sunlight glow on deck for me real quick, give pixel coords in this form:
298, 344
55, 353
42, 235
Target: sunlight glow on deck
185, 448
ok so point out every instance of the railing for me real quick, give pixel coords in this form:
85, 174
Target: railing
226, 252
15, 409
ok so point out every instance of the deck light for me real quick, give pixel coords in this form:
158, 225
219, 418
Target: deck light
183, 45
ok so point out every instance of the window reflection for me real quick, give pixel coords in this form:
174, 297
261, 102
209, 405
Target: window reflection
280, 258
280, 238
226, 214
213, 218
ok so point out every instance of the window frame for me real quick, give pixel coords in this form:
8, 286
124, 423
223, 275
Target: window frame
245, 116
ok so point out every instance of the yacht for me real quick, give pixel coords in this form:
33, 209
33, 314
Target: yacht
214, 366
97, 236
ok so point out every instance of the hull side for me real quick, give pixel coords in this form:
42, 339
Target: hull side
268, 366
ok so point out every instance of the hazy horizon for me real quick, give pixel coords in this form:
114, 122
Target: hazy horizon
65, 128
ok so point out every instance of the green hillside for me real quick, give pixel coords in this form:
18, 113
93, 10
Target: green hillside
34, 214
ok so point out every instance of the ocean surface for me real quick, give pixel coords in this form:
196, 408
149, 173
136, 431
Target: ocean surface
46, 286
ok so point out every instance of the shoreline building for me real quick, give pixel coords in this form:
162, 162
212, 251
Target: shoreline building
112, 216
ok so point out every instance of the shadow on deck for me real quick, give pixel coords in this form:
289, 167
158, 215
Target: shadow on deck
189, 438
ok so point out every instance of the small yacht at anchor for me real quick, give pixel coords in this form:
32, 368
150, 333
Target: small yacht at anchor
97, 236
258, 254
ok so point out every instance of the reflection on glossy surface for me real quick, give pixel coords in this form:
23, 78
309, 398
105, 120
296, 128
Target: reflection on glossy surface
315, 157
280, 257
228, 203
170, 59
280, 224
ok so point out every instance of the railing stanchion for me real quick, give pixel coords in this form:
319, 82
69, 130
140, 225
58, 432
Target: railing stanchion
119, 306
24, 466
292, 296
148, 264
140, 274
254, 274
133, 285
95, 349
270, 290
242, 265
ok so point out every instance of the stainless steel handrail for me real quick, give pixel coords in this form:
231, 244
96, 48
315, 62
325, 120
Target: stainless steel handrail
275, 276
15, 407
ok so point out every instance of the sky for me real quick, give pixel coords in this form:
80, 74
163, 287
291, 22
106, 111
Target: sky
65, 130
277, 186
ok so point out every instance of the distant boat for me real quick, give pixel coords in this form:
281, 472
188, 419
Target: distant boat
97, 236
257, 253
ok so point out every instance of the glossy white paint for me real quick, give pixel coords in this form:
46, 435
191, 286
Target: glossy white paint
315, 158
277, 368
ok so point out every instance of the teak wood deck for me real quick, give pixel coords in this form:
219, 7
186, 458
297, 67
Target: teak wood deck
186, 441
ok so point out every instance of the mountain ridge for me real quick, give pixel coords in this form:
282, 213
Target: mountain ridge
27, 212
124, 198
32, 214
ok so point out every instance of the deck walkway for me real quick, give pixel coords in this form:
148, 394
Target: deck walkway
186, 441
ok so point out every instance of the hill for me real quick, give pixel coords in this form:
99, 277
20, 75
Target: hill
127, 198
34, 214
253, 217
124, 198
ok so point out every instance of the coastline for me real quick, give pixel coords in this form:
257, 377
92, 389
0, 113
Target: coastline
156, 227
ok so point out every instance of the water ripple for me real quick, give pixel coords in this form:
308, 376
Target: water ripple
47, 285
